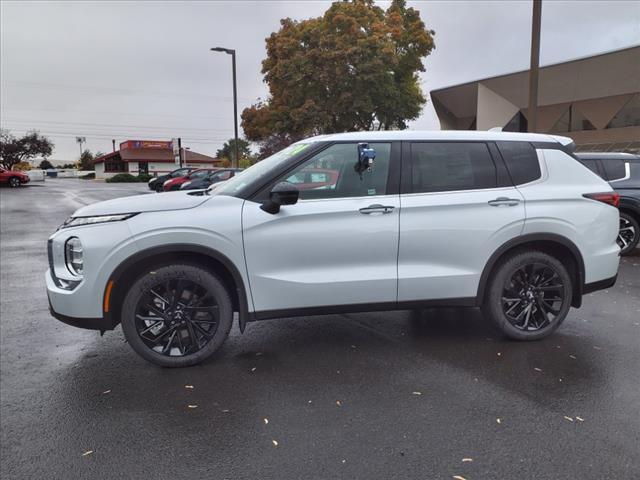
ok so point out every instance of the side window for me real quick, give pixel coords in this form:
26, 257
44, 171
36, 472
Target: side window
591, 164
441, 167
521, 160
614, 169
331, 173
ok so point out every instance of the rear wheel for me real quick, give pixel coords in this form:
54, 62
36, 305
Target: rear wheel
177, 315
629, 233
529, 295
14, 182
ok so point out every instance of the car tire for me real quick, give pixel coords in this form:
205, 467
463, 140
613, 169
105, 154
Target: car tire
158, 187
529, 295
629, 233
172, 330
14, 182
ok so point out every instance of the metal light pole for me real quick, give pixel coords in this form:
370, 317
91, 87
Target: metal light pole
535, 62
231, 52
80, 141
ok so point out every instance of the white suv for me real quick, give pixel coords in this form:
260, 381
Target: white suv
509, 222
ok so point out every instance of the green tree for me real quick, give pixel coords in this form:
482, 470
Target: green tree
15, 150
228, 149
354, 68
45, 165
86, 160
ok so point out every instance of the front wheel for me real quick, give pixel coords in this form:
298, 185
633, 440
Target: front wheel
14, 182
177, 315
629, 233
529, 295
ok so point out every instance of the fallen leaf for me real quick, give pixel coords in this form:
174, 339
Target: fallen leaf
559, 379
88, 452
106, 391
338, 403
225, 411
190, 387
275, 443
459, 477
596, 347
467, 459
258, 354
537, 369
344, 461
266, 421
192, 406
498, 420
353, 346
580, 419
309, 401
416, 393
568, 418
253, 369
499, 354
572, 356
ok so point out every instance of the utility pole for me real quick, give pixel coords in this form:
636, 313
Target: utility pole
80, 141
229, 51
535, 63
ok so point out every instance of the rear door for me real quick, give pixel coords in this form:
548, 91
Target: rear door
338, 245
458, 207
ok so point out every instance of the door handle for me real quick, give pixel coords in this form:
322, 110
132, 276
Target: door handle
504, 202
376, 208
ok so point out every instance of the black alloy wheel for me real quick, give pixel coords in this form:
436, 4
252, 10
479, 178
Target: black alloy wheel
533, 297
177, 315
14, 182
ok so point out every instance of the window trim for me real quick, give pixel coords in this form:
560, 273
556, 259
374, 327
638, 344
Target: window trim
407, 170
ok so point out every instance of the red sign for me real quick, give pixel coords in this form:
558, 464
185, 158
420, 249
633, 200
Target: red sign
156, 144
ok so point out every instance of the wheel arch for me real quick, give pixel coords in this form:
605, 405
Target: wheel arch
556, 245
127, 272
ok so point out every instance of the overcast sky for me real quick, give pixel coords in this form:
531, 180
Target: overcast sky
143, 69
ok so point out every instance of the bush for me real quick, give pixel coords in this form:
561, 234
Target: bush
128, 178
88, 176
122, 178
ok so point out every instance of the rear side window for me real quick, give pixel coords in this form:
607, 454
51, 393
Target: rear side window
614, 169
441, 167
522, 161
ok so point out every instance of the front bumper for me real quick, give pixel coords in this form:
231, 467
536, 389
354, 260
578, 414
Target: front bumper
101, 324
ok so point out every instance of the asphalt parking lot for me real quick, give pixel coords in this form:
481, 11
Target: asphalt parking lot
434, 394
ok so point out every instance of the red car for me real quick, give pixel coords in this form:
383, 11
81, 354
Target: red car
13, 178
173, 184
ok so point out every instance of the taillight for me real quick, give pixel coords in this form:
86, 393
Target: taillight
611, 198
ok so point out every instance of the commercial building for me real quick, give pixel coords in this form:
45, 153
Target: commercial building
148, 156
594, 100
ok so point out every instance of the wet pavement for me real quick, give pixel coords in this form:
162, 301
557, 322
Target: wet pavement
430, 395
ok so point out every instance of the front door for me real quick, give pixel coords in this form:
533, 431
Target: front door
338, 245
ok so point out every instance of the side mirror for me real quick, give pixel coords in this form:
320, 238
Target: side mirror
366, 156
283, 193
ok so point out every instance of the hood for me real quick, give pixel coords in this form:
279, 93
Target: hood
151, 202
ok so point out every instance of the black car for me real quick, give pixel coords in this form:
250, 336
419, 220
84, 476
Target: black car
156, 182
622, 171
214, 177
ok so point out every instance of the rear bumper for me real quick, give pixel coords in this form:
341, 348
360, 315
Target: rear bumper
599, 285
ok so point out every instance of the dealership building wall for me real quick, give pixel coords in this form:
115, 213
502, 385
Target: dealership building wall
594, 100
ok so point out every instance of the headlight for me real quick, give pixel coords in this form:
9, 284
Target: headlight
79, 221
73, 256
185, 184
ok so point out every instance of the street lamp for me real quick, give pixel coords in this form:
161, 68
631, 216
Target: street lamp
231, 52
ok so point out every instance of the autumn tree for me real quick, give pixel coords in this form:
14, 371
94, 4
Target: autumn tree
354, 68
14, 150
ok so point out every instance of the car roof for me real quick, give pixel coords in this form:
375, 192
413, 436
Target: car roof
444, 135
608, 155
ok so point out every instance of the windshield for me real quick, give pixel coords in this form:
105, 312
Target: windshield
235, 184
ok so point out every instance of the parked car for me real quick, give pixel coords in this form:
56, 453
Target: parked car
216, 176
156, 182
508, 222
622, 171
174, 184
13, 178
